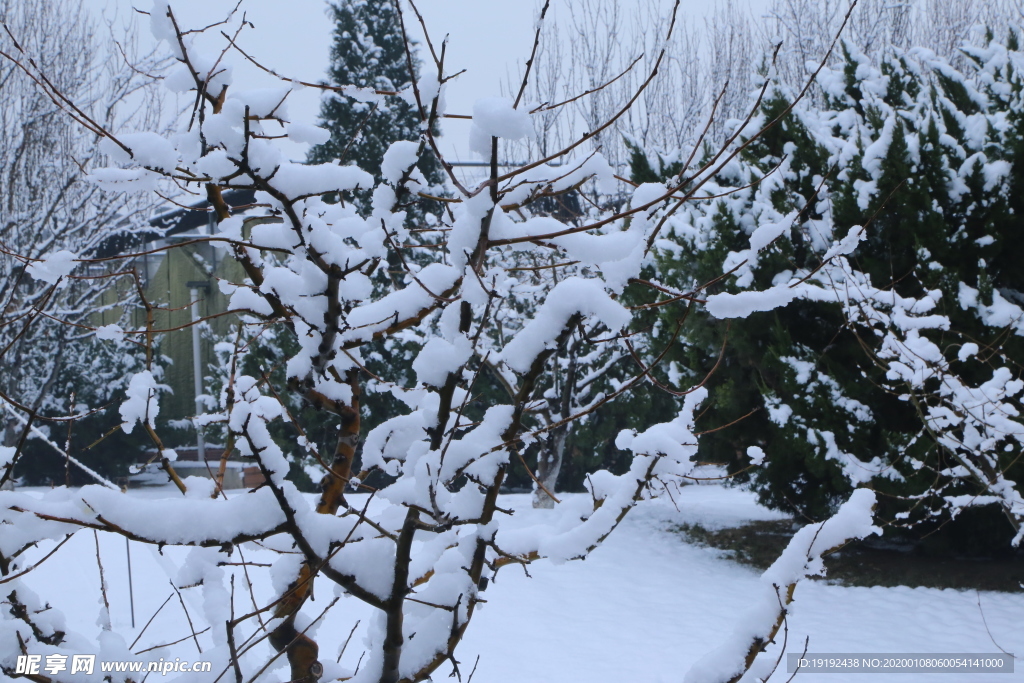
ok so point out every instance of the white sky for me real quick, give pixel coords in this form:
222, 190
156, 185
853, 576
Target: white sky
489, 38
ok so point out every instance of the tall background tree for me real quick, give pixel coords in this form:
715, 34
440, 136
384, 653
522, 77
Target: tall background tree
369, 52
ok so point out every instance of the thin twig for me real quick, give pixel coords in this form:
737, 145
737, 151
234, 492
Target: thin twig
134, 642
189, 618
103, 583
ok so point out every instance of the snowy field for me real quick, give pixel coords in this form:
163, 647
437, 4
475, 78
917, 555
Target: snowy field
641, 609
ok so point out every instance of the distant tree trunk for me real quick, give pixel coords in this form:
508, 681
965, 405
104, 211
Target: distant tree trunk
549, 460
10, 432
549, 464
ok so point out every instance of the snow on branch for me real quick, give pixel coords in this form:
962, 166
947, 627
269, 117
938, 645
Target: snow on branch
735, 659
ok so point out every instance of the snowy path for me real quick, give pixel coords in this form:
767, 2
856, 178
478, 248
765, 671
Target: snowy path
646, 605
640, 610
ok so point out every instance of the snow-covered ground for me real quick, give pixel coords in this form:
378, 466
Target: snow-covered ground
642, 608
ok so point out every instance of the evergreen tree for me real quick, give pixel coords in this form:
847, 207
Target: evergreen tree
369, 52
928, 160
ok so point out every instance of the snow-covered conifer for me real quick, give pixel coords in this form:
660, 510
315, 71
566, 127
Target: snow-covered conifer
368, 51
871, 374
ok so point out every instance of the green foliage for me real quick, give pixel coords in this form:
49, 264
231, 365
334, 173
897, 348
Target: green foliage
931, 161
369, 52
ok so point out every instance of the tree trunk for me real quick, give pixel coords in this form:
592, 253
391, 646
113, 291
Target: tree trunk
549, 464
549, 460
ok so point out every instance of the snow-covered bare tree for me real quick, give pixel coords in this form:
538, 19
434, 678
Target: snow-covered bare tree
419, 545
591, 57
590, 44
607, 48
57, 64
805, 27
